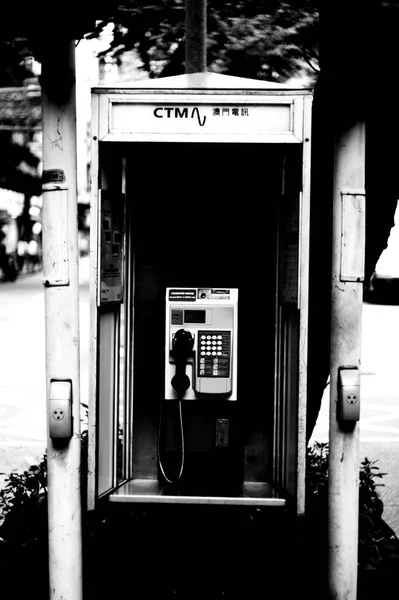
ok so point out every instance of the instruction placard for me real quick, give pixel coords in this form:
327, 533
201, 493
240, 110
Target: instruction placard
289, 250
111, 261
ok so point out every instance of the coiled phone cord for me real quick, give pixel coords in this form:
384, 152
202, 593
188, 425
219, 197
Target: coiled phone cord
168, 479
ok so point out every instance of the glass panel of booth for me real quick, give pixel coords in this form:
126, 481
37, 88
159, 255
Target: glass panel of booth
111, 381
121, 399
111, 247
106, 414
112, 405
289, 248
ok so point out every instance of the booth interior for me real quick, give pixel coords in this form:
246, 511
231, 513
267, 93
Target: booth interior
222, 217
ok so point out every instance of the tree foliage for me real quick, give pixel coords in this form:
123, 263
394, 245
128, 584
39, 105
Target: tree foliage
19, 167
264, 39
12, 66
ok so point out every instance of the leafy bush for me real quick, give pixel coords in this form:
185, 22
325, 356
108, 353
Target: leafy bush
19, 501
23, 525
378, 545
23, 515
23, 532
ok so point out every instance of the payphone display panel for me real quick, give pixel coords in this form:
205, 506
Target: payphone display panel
208, 316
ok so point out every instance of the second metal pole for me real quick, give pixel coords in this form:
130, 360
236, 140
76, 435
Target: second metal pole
195, 15
346, 328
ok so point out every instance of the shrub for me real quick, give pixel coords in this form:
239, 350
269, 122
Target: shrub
23, 532
23, 516
378, 545
23, 524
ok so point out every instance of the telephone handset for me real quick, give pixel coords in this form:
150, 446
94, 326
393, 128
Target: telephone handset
182, 345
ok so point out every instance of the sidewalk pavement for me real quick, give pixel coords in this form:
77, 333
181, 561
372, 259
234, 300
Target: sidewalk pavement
23, 421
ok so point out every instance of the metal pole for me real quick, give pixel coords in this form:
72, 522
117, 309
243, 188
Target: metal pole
60, 272
346, 323
195, 17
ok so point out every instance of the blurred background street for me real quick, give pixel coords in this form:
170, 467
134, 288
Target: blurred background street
22, 359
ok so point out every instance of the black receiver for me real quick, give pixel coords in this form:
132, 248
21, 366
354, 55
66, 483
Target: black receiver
182, 345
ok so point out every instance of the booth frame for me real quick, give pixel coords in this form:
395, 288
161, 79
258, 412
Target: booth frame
109, 105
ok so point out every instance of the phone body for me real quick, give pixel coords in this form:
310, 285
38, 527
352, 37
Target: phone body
210, 316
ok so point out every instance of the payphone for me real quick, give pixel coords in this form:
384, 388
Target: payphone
201, 343
200, 359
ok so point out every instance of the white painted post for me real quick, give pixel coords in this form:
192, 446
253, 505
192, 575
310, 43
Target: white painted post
61, 281
346, 323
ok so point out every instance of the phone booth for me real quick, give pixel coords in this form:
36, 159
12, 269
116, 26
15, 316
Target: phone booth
199, 292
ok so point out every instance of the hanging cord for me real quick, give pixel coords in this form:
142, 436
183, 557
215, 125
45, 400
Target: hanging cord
168, 479
182, 345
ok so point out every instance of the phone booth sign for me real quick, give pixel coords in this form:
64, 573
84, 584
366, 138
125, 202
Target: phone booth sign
199, 292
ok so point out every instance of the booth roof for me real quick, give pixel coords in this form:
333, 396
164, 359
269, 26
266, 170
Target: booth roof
204, 81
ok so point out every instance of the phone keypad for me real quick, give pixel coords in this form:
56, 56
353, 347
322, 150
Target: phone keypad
213, 353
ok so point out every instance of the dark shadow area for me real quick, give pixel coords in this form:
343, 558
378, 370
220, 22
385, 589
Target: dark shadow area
190, 553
